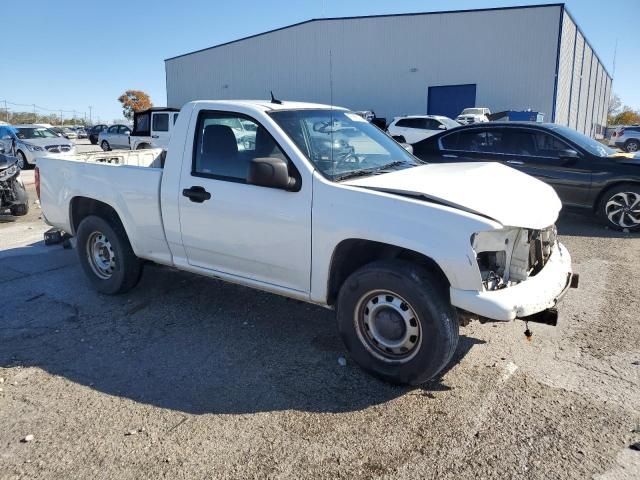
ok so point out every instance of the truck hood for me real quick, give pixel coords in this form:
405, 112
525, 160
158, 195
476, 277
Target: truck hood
492, 190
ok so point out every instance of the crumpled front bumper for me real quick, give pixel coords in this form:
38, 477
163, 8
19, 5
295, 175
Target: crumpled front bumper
531, 296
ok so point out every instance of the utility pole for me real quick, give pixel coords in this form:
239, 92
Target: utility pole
6, 110
90, 107
61, 121
35, 115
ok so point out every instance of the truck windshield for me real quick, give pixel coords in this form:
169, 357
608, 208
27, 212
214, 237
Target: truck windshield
342, 144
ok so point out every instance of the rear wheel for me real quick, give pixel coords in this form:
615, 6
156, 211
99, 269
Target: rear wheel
619, 207
632, 146
93, 140
396, 321
105, 146
106, 256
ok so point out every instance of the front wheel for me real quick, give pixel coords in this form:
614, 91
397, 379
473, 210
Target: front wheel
396, 321
22, 161
619, 207
632, 146
106, 256
105, 146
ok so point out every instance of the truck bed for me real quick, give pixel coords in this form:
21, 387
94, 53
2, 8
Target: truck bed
129, 181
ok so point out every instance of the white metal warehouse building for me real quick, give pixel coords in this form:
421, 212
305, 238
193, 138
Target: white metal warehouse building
517, 58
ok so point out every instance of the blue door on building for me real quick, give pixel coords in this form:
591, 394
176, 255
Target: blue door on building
450, 100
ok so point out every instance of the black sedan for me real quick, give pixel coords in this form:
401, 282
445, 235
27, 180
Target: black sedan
584, 172
93, 132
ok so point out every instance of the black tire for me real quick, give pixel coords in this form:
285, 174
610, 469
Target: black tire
606, 208
104, 145
22, 161
93, 140
425, 295
127, 267
143, 146
632, 146
19, 210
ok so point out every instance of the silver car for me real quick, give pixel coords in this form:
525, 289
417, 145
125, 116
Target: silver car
116, 136
626, 138
28, 142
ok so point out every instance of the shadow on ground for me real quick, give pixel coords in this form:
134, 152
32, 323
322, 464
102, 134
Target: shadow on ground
576, 223
182, 342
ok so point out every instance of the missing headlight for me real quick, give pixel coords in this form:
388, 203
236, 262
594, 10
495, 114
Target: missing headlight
492, 267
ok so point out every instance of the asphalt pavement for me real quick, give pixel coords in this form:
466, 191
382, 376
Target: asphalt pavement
189, 377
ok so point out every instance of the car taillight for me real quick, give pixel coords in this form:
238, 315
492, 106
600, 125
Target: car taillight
36, 174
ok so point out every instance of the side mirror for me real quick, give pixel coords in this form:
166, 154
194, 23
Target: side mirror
270, 172
407, 147
568, 155
442, 127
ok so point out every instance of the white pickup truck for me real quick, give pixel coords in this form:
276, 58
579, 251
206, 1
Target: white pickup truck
320, 206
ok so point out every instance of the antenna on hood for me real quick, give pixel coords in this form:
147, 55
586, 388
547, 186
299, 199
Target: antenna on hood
275, 100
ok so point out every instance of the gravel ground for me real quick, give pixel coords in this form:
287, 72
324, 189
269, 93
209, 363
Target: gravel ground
188, 377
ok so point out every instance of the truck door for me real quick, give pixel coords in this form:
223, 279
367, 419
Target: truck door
257, 233
160, 130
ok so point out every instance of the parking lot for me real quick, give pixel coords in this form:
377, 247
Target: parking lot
188, 377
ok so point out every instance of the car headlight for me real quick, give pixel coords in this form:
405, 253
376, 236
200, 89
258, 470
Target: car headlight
8, 173
34, 148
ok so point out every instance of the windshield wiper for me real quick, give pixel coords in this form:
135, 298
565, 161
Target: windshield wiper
355, 173
369, 171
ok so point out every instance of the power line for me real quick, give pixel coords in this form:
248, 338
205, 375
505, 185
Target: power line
35, 108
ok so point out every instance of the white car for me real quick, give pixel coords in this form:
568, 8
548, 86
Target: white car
324, 208
29, 142
626, 138
413, 128
473, 115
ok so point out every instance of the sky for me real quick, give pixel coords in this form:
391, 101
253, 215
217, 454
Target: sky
70, 55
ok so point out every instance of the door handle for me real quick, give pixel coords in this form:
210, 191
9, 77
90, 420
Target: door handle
196, 194
155, 136
515, 162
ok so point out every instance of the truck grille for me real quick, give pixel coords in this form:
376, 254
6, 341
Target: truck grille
58, 148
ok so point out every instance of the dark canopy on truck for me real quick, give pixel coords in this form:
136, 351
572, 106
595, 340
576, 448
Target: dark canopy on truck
142, 120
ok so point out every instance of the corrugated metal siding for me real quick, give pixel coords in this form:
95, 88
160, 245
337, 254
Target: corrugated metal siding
605, 100
582, 82
583, 98
591, 98
565, 69
597, 98
384, 63
575, 87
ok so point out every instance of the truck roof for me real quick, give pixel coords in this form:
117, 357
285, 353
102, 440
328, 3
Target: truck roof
268, 105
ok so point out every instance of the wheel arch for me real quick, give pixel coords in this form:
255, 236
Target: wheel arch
608, 188
353, 253
81, 207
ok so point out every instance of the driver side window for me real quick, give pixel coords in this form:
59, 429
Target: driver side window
226, 143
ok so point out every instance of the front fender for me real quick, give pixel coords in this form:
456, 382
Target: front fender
441, 233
